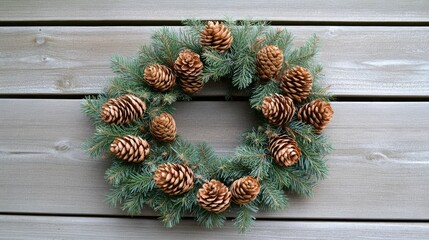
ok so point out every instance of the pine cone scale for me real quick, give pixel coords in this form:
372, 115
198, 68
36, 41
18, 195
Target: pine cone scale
269, 61
130, 148
174, 179
245, 190
188, 67
159, 77
214, 196
317, 113
297, 83
163, 128
217, 36
123, 110
284, 150
278, 109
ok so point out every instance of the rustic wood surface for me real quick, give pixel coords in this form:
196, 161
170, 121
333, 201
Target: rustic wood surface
43, 227
376, 59
168, 10
358, 61
375, 168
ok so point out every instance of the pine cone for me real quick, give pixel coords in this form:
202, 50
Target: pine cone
163, 127
284, 150
269, 61
278, 109
214, 196
159, 77
188, 67
296, 83
174, 179
217, 36
317, 113
130, 148
123, 110
245, 190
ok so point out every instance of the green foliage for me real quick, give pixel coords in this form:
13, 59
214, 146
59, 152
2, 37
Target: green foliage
261, 91
303, 56
218, 65
209, 219
245, 216
132, 185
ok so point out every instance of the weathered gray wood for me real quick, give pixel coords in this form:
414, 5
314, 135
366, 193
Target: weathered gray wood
378, 170
29, 227
330, 10
358, 61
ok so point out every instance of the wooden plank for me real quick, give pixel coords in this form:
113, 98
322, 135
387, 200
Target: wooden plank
378, 170
37, 227
359, 61
277, 10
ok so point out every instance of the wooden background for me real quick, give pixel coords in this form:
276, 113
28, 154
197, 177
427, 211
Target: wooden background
376, 57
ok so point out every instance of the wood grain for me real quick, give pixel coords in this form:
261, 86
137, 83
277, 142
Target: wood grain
378, 170
35, 227
277, 10
358, 61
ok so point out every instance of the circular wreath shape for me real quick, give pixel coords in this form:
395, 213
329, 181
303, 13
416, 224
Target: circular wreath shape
152, 165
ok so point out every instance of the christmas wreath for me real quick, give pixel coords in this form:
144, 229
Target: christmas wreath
152, 166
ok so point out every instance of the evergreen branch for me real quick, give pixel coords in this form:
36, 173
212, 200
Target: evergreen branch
104, 135
280, 176
209, 219
254, 159
245, 218
194, 26
261, 91
167, 44
116, 196
304, 54
148, 55
217, 65
120, 87
126, 68
244, 71
141, 183
133, 203
92, 107
256, 137
314, 166
228, 171
300, 182
119, 172
272, 197
280, 38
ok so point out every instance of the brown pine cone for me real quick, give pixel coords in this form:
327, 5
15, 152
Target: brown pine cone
163, 127
217, 36
130, 148
159, 77
317, 113
269, 61
188, 67
278, 109
214, 196
245, 190
174, 179
296, 83
123, 110
284, 150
